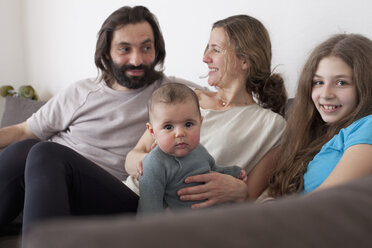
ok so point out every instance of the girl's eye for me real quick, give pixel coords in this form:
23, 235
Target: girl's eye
317, 82
188, 124
168, 127
341, 83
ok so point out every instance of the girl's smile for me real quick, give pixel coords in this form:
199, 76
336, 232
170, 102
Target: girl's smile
334, 94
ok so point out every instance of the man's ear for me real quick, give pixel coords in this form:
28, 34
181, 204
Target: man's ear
149, 127
107, 56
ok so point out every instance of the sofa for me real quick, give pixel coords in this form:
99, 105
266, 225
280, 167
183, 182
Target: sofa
336, 217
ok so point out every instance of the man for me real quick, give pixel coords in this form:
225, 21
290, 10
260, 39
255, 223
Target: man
93, 122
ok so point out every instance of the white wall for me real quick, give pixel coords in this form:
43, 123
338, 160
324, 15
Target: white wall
59, 36
12, 66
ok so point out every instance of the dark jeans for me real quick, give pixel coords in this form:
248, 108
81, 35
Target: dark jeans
51, 180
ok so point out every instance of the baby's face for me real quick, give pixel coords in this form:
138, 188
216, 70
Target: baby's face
176, 127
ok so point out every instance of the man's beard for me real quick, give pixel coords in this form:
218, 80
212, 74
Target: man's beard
133, 82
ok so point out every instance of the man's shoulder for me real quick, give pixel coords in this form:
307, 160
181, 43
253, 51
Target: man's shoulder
81, 88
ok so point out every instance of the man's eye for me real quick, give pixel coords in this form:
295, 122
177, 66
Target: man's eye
188, 124
147, 48
124, 49
168, 127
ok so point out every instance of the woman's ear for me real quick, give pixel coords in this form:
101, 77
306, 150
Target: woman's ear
245, 64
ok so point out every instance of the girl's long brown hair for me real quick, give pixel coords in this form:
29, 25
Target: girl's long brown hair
306, 132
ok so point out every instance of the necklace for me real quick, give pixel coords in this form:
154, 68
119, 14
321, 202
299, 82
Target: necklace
223, 102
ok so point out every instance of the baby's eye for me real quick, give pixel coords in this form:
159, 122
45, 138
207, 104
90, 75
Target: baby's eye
188, 124
168, 127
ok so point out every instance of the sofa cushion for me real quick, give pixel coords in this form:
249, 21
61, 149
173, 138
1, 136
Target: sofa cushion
18, 109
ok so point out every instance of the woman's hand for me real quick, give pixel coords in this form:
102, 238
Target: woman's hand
243, 176
216, 188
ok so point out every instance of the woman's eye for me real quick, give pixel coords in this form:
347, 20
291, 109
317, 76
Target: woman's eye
188, 124
317, 82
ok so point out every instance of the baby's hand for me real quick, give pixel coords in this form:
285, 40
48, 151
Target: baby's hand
243, 175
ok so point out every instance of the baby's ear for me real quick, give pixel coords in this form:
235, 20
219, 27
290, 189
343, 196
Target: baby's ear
201, 119
149, 127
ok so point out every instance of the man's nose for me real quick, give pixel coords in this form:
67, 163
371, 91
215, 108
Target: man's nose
136, 58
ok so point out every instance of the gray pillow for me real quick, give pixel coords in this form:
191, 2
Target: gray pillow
18, 109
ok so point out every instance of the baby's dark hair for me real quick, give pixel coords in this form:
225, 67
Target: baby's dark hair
172, 93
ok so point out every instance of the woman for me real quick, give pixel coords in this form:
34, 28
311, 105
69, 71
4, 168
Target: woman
328, 139
236, 130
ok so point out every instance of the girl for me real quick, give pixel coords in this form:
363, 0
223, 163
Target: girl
328, 139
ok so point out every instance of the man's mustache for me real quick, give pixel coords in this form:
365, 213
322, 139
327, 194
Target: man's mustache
133, 67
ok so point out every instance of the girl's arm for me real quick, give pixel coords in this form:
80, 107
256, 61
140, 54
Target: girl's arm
355, 163
133, 161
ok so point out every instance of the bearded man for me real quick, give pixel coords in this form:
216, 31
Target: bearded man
68, 158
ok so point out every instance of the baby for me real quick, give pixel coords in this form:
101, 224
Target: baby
174, 122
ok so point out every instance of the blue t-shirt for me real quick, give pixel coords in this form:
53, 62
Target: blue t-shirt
359, 132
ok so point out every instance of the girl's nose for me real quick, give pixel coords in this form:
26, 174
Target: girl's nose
327, 91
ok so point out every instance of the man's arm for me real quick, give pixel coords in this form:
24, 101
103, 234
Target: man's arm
14, 133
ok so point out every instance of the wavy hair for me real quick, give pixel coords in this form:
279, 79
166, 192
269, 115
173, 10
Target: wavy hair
251, 42
306, 132
119, 18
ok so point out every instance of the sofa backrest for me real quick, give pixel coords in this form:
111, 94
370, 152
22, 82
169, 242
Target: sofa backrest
18, 109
